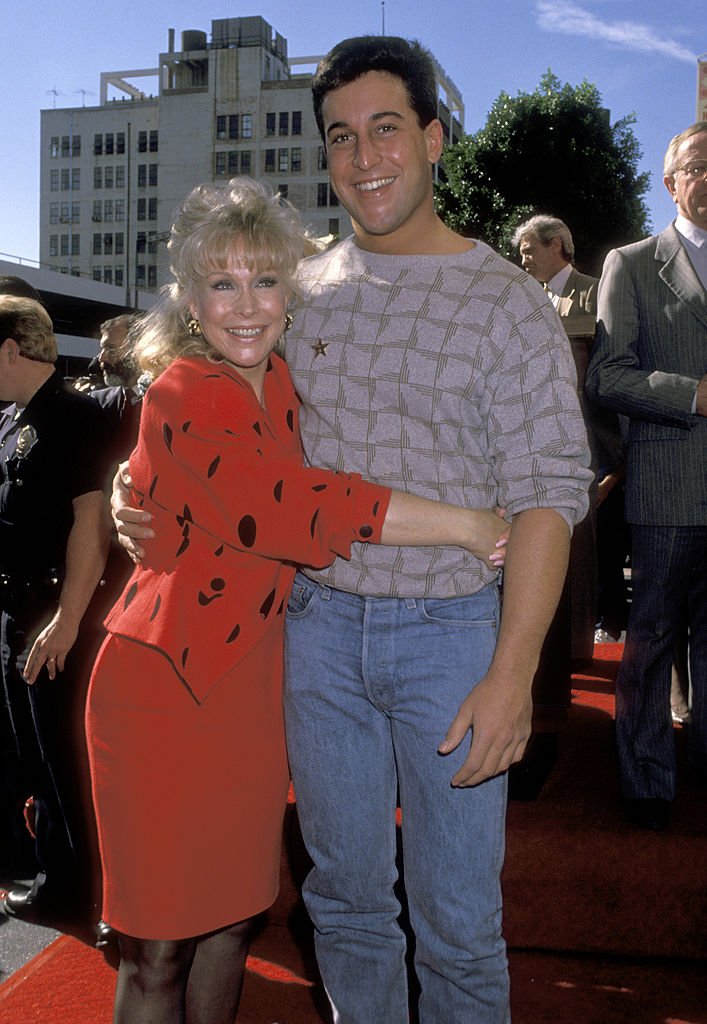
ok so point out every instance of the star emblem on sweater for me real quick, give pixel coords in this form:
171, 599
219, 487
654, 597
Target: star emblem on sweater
320, 348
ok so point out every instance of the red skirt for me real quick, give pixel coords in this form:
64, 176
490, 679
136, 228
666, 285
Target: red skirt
189, 798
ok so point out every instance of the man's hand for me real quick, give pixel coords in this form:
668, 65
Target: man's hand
498, 713
701, 404
498, 710
131, 524
51, 648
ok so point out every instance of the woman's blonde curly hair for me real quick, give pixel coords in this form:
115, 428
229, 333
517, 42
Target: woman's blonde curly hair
210, 222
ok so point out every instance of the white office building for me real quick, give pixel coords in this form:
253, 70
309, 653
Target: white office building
112, 175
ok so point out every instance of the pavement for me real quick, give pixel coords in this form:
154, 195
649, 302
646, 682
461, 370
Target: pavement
19, 940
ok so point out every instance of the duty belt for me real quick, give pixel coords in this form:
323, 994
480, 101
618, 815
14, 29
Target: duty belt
18, 586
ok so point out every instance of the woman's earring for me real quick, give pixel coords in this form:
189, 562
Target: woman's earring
288, 321
193, 326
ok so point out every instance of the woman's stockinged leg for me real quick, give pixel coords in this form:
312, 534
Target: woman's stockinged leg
216, 975
152, 980
191, 981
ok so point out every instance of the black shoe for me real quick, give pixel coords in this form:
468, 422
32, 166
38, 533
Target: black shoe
40, 907
650, 813
104, 934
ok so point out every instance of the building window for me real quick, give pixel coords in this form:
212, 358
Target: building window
152, 209
120, 176
120, 209
109, 143
75, 213
119, 243
283, 191
54, 214
120, 142
233, 126
141, 243
65, 207
65, 179
321, 159
245, 161
65, 150
97, 145
152, 277
97, 211
141, 175
247, 126
64, 245
141, 209
296, 122
334, 226
233, 162
141, 274
220, 164
153, 174
97, 244
296, 158
108, 177
152, 242
54, 147
96, 273
76, 245
108, 275
269, 160
108, 211
154, 136
98, 177
283, 123
75, 179
119, 276
54, 180
221, 127
53, 245
283, 160
325, 195
108, 244
269, 124
142, 142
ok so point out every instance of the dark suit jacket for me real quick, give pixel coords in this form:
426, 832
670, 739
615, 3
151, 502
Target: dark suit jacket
651, 351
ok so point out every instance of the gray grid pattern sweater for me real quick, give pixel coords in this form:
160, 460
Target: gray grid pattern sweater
446, 376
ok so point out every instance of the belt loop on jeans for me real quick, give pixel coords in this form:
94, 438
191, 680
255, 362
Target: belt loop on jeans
325, 592
410, 603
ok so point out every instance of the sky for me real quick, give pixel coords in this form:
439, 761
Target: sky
640, 54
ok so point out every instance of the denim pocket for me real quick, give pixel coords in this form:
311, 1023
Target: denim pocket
473, 610
301, 598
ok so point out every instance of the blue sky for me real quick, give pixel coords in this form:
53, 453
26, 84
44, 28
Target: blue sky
641, 54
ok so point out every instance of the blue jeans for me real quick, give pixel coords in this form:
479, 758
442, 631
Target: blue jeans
371, 686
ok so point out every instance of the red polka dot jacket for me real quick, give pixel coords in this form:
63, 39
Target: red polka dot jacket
235, 511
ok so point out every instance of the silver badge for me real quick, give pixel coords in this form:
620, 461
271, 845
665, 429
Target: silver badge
26, 440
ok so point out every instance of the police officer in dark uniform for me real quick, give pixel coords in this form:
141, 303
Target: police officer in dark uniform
54, 533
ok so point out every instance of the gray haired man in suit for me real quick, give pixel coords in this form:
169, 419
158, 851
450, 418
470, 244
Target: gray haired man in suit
547, 252
650, 362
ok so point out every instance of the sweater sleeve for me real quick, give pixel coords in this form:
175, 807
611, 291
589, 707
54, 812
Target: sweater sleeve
207, 460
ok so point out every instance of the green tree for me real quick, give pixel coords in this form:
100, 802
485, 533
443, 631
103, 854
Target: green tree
550, 151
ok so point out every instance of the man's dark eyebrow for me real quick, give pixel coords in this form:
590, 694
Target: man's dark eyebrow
374, 117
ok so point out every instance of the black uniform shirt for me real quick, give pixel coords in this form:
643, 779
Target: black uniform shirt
51, 452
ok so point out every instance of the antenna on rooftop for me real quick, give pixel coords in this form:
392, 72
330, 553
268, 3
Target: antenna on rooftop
383, 16
54, 92
84, 94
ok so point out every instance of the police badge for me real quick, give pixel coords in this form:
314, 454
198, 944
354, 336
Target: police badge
26, 440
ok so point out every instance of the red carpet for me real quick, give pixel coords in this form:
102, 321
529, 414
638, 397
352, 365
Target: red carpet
605, 925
